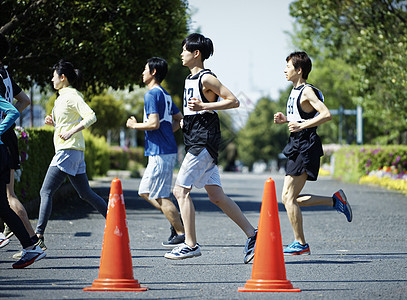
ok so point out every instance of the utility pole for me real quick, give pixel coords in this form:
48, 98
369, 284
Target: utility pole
32, 106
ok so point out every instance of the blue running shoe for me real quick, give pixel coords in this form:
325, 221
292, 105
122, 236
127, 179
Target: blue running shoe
29, 257
342, 205
295, 248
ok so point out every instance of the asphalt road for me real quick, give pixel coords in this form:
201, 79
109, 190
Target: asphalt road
365, 259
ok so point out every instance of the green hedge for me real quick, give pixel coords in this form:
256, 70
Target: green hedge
119, 158
36, 152
353, 162
131, 159
96, 155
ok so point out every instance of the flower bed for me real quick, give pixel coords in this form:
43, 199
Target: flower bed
388, 177
380, 165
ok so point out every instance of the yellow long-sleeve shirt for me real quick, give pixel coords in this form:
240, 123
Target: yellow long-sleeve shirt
70, 110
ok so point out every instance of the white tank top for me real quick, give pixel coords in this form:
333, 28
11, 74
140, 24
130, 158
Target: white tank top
193, 89
294, 111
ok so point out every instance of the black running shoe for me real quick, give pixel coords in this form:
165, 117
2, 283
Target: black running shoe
249, 248
175, 241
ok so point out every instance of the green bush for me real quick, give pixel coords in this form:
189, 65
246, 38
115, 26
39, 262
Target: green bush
36, 152
137, 154
137, 161
96, 155
127, 159
110, 112
353, 162
119, 158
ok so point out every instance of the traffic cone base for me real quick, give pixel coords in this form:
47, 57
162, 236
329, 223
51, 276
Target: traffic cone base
115, 285
268, 286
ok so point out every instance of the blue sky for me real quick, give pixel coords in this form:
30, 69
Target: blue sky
250, 43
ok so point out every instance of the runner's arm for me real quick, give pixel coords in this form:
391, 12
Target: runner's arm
22, 101
153, 123
176, 119
212, 85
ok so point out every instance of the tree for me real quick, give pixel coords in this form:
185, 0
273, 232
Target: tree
175, 80
261, 139
110, 113
371, 37
333, 77
227, 145
109, 41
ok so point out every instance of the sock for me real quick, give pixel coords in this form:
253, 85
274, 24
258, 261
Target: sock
35, 238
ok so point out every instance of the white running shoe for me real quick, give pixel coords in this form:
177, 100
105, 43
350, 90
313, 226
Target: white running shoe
183, 251
3, 240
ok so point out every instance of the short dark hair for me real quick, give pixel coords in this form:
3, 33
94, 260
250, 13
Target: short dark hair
4, 46
160, 66
196, 41
300, 59
73, 75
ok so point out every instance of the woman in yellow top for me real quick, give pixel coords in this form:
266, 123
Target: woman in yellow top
70, 116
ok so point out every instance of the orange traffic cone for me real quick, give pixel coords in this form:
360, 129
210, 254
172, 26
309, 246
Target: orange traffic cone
268, 273
116, 268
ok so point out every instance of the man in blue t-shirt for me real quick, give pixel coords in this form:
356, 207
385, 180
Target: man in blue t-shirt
161, 119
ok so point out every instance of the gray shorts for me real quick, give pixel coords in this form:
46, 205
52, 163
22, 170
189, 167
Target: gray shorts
157, 178
198, 171
69, 161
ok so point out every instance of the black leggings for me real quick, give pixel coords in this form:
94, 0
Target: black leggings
6, 213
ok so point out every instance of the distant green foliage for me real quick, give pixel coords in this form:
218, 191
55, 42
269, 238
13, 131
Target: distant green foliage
261, 139
337, 89
109, 41
370, 38
110, 113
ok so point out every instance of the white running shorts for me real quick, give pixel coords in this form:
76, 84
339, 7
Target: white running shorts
198, 171
157, 178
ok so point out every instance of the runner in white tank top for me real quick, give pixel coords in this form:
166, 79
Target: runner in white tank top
202, 134
305, 111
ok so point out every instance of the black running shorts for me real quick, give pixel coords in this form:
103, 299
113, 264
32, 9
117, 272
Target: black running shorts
9, 138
